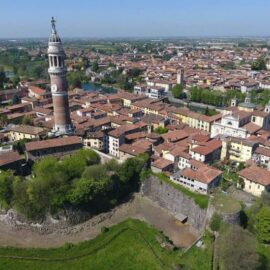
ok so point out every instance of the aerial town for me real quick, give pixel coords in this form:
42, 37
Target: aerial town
197, 112
186, 145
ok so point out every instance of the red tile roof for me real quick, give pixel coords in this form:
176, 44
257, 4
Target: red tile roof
9, 157
202, 173
256, 174
31, 146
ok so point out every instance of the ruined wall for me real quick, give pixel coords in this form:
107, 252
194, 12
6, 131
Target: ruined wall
175, 201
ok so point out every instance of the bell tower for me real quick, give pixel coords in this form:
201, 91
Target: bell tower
180, 76
59, 86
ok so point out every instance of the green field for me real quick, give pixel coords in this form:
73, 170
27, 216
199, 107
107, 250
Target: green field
131, 244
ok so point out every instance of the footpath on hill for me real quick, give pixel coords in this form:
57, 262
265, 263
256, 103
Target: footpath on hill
138, 208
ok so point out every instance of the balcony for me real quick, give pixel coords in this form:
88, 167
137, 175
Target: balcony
235, 152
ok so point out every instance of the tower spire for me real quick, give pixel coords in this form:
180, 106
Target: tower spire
53, 21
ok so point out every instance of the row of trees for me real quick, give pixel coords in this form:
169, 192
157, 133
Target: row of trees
219, 99
215, 98
78, 181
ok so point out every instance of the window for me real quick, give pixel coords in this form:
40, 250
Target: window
60, 61
55, 61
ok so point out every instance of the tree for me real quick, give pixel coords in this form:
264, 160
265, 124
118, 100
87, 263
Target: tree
27, 120
6, 190
15, 80
21, 200
95, 66
130, 170
134, 72
76, 164
161, 130
95, 172
215, 222
88, 190
237, 250
75, 80
49, 186
177, 91
263, 225
3, 120
259, 64
210, 112
2, 77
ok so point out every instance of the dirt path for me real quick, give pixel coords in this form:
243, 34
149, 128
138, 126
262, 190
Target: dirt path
140, 208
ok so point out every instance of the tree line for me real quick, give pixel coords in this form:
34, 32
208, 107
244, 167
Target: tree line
23, 65
78, 181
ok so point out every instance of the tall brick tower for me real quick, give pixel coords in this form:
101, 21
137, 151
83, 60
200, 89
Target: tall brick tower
59, 86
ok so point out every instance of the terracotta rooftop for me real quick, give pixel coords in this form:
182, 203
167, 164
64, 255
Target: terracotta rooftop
256, 174
27, 129
174, 136
263, 151
161, 163
9, 157
202, 173
31, 146
252, 128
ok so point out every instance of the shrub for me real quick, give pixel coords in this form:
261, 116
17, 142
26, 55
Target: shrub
215, 222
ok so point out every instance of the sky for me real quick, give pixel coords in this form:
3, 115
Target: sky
135, 18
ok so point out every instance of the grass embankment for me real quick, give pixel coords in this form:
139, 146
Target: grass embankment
200, 199
199, 258
131, 244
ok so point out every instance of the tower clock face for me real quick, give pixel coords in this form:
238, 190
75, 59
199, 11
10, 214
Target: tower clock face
54, 88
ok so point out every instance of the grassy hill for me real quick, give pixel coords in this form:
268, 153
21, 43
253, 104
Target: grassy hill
131, 244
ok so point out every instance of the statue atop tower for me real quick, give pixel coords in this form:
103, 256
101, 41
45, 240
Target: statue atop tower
59, 87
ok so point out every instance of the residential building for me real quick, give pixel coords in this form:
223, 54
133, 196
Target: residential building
162, 165
255, 180
206, 152
262, 157
237, 149
97, 140
21, 132
53, 147
198, 177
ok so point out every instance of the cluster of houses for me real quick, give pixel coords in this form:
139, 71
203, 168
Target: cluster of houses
123, 125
